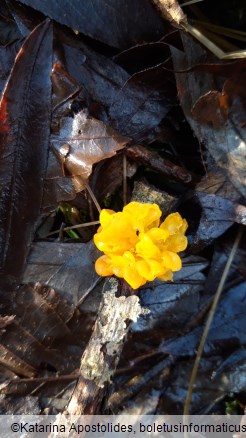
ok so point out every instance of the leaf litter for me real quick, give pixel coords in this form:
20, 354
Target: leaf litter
101, 96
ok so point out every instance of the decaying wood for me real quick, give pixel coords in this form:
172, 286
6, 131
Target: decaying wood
102, 353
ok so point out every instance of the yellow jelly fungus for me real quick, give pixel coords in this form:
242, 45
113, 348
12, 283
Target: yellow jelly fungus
137, 247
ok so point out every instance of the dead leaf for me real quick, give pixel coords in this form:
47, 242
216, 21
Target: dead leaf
9, 31
133, 105
42, 334
228, 327
215, 182
109, 22
212, 109
64, 86
227, 333
81, 142
66, 267
12, 405
7, 58
174, 304
234, 368
143, 102
218, 214
24, 136
226, 144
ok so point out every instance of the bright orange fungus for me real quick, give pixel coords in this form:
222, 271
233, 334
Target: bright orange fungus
137, 247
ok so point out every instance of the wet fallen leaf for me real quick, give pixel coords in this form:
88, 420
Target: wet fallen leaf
226, 143
172, 305
134, 105
12, 405
9, 31
212, 109
24, 137
64, 86
67, 267
218, 214
39, 337
142, 103
7, 57
234, 368
172, 374
228, 329
113, 23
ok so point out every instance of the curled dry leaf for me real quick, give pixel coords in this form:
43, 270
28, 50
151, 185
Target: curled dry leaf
81, 142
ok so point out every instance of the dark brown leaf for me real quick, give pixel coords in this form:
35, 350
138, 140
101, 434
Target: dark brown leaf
7, 57
226, 144
133, 105
143, 102
118, 23
40, 335
24, 140
64, 86
212, 109
81, 142
9, 31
